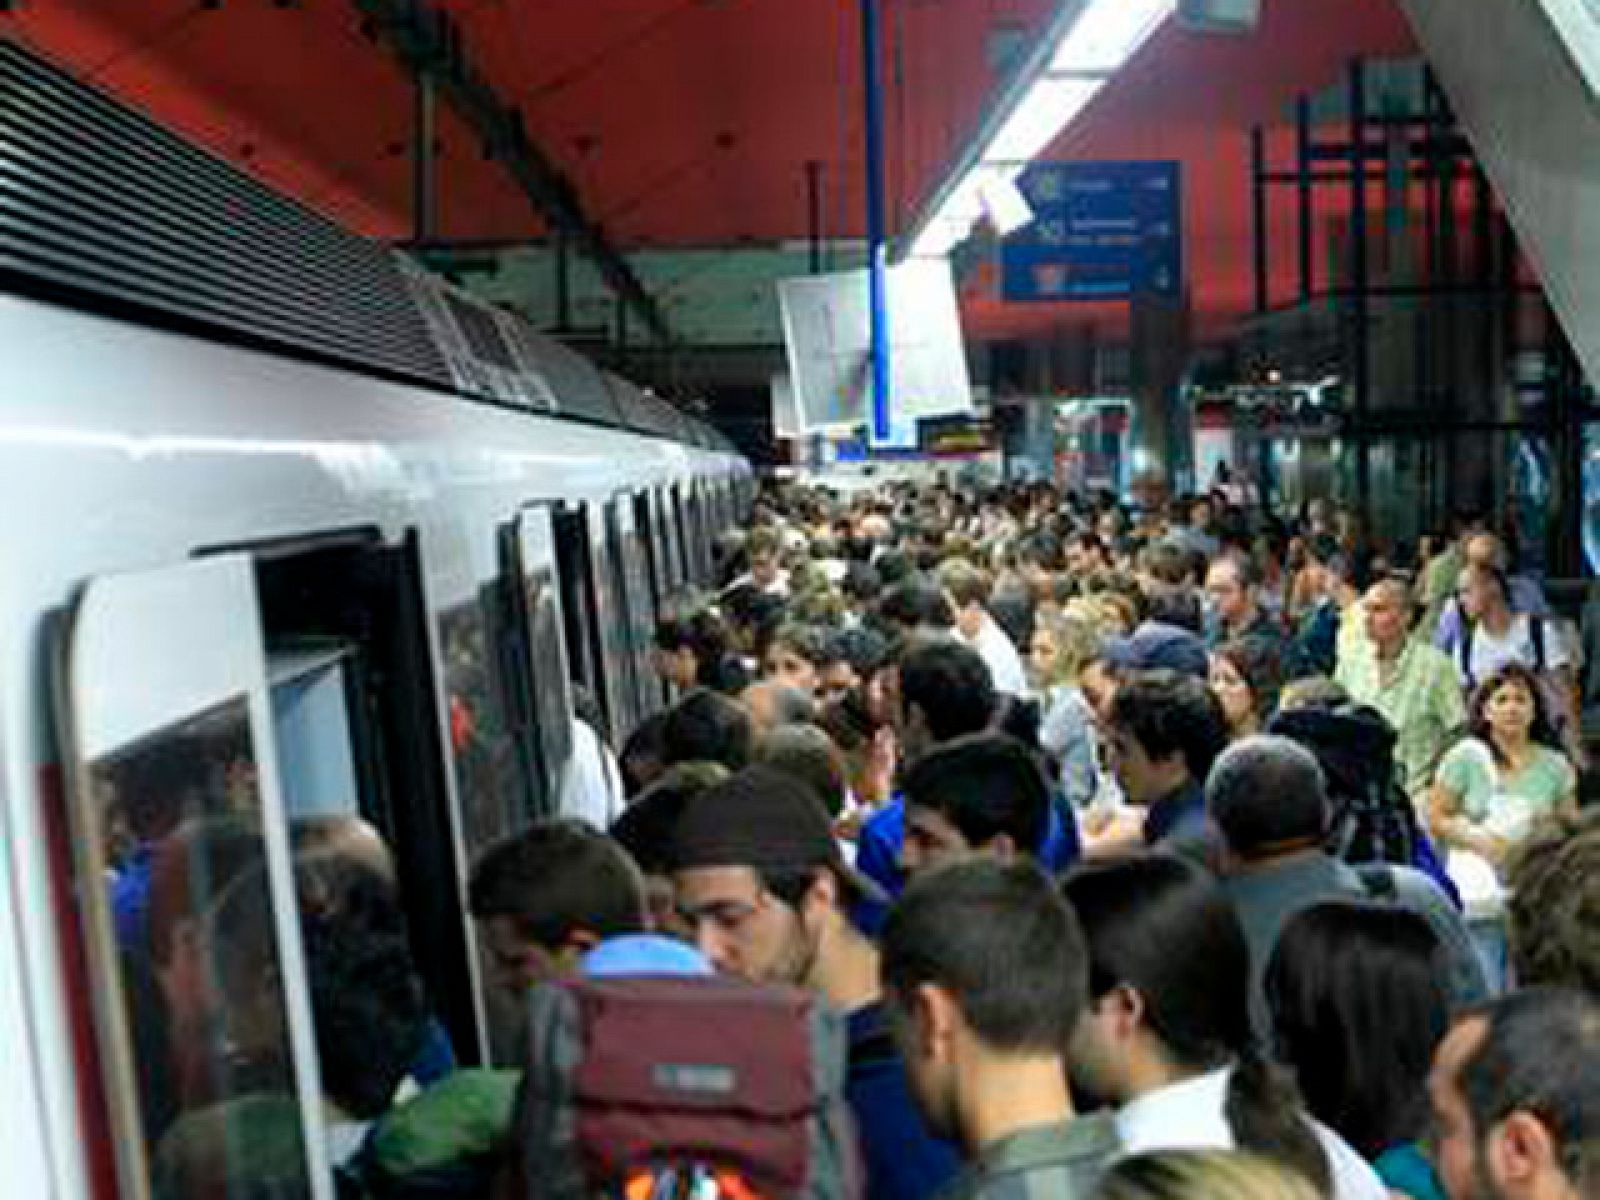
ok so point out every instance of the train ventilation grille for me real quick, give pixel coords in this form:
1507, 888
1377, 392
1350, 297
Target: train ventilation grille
100, 203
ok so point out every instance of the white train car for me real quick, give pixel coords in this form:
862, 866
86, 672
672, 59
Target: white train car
288, 528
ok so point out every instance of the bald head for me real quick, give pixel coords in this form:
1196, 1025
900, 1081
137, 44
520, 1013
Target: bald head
1388, 608
774, 705
1486, 550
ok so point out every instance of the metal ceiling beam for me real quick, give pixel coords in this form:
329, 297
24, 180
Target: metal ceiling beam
428, 41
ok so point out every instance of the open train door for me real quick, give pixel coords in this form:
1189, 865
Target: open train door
166, 737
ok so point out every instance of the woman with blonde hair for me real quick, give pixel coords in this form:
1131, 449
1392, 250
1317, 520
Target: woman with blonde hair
1110, 614
1063, 645
1202, 1175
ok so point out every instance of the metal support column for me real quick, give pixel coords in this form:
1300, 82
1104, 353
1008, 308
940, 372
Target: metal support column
1258, 196
424, 202
620, 334
563, 265
1361, 349
814, 213
1303, 186
877, 248
1564, 535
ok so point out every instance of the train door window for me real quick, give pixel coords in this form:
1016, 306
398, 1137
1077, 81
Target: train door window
672, 553
492, 791
575, 572
346, 613
633, 544
696, 525
646, 510
680, 536
652, 515
550, 698
616, 619
206, 1043
611, 636
310, 686
714, 525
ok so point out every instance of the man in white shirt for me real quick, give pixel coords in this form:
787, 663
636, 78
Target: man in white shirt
1167, 1038
591, 786
1496, 635
967, 589
1484, 549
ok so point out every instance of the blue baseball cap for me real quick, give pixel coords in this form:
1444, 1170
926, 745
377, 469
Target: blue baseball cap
643, 954
1155, 646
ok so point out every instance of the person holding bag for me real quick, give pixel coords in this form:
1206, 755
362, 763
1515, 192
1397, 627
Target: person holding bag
1490, 789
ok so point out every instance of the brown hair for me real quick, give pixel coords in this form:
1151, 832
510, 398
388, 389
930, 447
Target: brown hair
1554, 879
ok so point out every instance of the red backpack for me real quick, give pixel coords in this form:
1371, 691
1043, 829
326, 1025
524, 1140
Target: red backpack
661, 1088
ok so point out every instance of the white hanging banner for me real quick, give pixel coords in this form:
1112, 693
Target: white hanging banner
827, 332
785, 412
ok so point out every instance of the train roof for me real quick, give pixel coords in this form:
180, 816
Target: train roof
102, 208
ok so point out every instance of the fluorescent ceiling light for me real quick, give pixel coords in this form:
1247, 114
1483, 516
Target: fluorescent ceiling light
938, 237
1047, 108
1109, 33
1101, 37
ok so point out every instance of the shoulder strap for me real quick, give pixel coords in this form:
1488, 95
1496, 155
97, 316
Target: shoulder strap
1536, 636
1378, 881
1464, 648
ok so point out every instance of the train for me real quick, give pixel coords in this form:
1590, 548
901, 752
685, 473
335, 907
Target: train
291, 527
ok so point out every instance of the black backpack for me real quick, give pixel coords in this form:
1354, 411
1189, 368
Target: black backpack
1373, 820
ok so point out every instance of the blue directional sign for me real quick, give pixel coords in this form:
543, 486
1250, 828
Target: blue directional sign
1101, 231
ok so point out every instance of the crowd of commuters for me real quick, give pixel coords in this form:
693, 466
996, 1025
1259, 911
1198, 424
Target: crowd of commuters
1171, 854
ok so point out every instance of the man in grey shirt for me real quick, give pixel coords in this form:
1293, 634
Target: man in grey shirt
1268, 800
985, 975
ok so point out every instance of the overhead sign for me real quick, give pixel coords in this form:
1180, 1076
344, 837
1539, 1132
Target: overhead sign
1101, 231
827, 334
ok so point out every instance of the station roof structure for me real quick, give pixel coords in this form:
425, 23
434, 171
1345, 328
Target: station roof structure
687, 124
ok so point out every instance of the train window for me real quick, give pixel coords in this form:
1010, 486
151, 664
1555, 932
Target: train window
311, 684
575, 573
354, 604
646, 509
708, 530
694, 534
671, 554
550, 701
615, 621
718, 521
179, 841
640, 602
491, 790
679, 529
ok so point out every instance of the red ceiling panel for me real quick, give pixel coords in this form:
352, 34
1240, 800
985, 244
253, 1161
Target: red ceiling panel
689, 122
